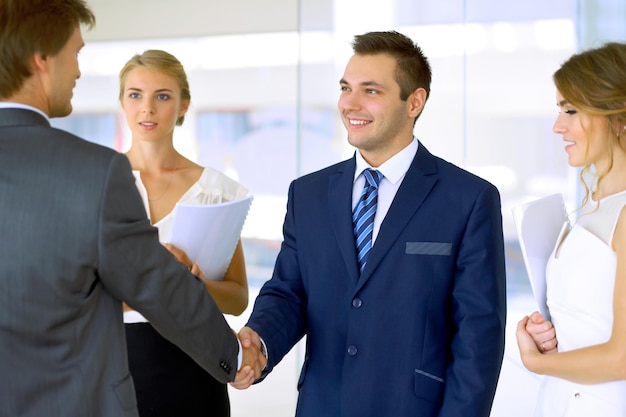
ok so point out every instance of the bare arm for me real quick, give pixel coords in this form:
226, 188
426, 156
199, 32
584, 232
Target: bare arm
231, 294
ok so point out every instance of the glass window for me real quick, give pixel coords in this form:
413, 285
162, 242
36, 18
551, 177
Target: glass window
98, 128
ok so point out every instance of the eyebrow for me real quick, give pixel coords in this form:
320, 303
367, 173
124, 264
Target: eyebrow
161, 90
365, 83
562, 103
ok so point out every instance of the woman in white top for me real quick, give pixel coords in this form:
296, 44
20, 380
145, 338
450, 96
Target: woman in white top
586, 273
154, 94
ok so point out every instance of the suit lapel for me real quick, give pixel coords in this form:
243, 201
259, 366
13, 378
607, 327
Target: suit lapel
416, 185
340, 207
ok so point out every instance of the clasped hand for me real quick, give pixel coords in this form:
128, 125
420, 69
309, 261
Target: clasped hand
535, 336
253, 360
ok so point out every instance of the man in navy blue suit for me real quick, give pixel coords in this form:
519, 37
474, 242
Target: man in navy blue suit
419, 330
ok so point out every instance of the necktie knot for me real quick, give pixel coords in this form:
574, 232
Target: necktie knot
372, 177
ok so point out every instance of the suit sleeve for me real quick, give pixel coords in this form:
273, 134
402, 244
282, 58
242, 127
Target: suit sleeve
479, 312
137, 269
279, 314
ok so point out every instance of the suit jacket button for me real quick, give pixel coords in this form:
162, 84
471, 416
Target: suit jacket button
352, 350
225, 366
357, 302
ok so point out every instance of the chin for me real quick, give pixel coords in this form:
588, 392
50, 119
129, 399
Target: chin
61, 112
357, 142
575, 163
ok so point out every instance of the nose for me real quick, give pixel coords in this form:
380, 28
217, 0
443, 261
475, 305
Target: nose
147, 107
348, 101
559, 126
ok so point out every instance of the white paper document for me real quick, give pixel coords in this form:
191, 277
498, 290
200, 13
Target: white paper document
539, 224
209, 233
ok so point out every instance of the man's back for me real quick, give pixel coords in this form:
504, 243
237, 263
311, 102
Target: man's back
76, 241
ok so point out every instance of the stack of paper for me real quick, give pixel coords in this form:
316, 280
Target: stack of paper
539, 224
209, 233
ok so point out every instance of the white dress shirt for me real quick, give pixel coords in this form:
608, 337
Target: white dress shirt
394, 170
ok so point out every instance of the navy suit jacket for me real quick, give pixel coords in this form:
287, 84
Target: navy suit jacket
421, 331
75, 243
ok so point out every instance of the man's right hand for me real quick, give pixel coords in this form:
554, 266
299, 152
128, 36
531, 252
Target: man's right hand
253, 360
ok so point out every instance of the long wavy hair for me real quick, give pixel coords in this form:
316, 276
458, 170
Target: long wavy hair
594, 81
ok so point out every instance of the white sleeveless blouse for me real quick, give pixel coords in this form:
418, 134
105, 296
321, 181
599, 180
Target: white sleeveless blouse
580, 278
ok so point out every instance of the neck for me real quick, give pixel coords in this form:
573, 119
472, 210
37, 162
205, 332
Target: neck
154, 157
615, 180
379, 156
30, 95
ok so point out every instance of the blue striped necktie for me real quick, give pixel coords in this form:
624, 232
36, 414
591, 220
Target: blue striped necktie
363, 215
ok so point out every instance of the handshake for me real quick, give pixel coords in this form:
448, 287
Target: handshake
253, 359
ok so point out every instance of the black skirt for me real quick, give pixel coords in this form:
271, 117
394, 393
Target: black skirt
167, 381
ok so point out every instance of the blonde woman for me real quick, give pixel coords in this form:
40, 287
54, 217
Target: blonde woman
154, 94
586, 274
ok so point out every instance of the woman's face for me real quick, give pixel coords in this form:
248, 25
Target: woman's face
586, 135
151, 102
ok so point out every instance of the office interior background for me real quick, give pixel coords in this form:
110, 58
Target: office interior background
264, 84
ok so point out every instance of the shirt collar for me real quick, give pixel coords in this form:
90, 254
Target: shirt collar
10, 105
395, 167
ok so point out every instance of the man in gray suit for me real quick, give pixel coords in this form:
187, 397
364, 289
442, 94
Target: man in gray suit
76, 242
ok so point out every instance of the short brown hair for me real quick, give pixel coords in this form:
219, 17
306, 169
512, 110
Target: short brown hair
28, 27
412, 71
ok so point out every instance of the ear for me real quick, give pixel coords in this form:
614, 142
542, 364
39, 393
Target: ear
415, 102
184, 106
39, 62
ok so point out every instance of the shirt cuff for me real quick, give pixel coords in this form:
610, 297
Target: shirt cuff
239, 354
263, 348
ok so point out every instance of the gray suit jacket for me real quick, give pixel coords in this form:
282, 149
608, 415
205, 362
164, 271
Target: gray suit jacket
75, 243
